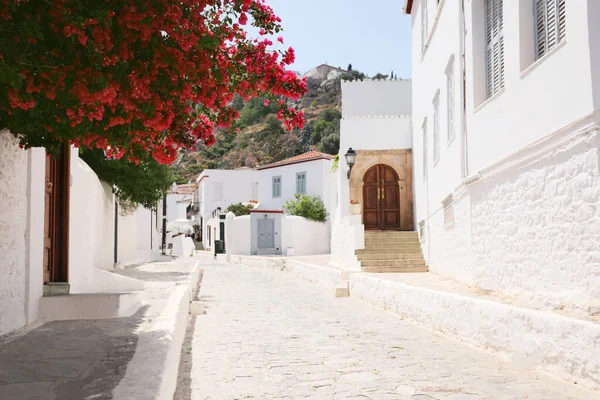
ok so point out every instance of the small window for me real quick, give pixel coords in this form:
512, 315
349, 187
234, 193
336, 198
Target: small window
276, 186
254, 191
450, 98
301, 182
550, 22
218, 194
448, 204
436, 128
421, 231
494, 47
424, 27
425, 149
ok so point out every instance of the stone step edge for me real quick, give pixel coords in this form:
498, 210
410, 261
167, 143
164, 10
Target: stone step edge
491, 325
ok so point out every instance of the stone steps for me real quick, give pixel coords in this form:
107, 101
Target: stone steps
397, 269
392, 263
390, 256
398, 249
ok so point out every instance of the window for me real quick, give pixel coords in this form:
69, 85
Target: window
425, 149
424, 28
301, 182
494, 47
448, 204
450, 98
276, 186
254, 191
550, 21
421, 231
436, 128
218, 193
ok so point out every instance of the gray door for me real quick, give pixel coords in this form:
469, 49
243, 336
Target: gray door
266, 233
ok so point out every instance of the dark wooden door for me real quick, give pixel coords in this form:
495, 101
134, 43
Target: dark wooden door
381, 198
56, 217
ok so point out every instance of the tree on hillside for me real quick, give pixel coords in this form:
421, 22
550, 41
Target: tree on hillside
380, 76
137, 77
349, 67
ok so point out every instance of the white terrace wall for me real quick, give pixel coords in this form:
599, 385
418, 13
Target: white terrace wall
139, 237
13, 223
238, 236
305, 237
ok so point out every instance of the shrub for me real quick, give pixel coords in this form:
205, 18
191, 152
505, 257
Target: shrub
309, 207
239, 209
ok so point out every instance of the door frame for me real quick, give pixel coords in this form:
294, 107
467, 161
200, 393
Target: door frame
57, 216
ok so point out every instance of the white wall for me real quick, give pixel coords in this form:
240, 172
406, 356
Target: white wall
177, 206
305, 237
317, 179
376, 97
525, 227
13, 222
91, 225
139, 237
238, 235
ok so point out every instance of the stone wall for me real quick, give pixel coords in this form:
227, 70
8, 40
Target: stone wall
530, 230
13, 222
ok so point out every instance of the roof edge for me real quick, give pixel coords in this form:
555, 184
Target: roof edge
275, 165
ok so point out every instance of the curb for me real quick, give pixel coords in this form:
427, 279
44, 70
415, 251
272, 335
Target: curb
157, 356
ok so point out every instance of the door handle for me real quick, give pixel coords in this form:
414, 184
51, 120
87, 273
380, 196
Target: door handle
378, 194
383, 193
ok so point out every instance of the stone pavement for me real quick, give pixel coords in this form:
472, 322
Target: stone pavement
89, 359
267, 335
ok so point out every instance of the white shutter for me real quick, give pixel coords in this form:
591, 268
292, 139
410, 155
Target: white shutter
450, 99
494, 51
550, 19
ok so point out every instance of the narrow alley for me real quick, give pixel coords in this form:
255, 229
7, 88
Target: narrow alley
267, 335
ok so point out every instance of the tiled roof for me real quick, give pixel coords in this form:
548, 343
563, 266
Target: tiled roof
408, 6
271, 211
187, 188
309, 156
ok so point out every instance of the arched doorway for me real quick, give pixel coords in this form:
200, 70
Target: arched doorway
381, 198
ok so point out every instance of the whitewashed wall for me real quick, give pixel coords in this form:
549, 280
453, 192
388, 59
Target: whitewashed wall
139, 237
177, 206
376, 97
91, 226
523, 228
317, 179
13, 222
305, 237
238, 235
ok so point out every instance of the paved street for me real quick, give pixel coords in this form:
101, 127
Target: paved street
267, 335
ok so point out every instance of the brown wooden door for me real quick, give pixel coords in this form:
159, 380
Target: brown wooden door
381, 198
56, 217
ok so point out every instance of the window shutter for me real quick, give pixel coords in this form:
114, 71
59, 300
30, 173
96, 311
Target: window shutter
550, 19
436, 129
494, 46
425, 149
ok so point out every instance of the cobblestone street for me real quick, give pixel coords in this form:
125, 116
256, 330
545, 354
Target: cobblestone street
267, 335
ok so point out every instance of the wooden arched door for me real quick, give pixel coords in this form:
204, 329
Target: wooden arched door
381, 198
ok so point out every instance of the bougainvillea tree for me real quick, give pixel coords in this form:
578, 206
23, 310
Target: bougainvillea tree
136, 77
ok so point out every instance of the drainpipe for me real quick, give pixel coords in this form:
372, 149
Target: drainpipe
463, 69
116, 231
164, 226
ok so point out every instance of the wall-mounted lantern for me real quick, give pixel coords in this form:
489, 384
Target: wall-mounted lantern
350, 160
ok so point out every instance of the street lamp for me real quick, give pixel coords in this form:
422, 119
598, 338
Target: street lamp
350, 160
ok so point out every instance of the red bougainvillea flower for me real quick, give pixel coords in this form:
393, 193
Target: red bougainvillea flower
134, 77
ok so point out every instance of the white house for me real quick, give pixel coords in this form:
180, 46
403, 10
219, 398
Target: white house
376, 125
506, 98
62, 231
267, 187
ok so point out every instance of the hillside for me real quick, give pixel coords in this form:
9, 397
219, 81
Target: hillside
261, 139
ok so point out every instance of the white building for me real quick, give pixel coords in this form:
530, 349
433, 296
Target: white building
376, 124
61, 235
268, 187
506, 97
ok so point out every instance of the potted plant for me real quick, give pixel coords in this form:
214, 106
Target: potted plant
355, 208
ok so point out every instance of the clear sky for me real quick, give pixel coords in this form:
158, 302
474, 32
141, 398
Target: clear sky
374, 36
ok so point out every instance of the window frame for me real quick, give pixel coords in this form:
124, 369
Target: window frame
275, 185
436, 129
301, 181
424, 26
425, 144
450, 101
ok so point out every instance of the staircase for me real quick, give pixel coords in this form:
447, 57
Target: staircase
391, 251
